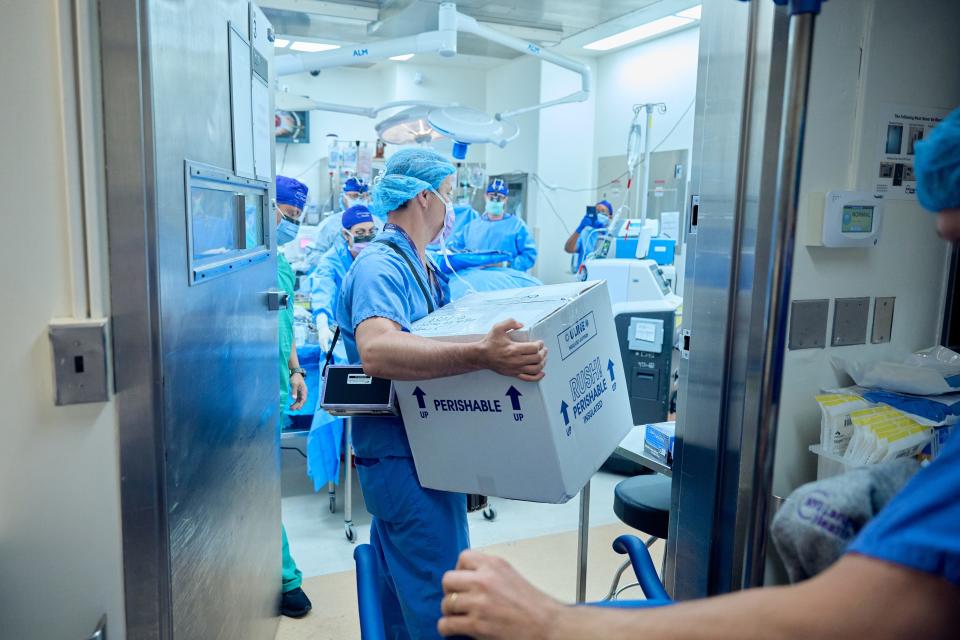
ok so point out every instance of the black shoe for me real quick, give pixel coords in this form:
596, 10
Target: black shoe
295, 603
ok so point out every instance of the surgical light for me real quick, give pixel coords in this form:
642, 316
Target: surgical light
642, 32
409, 126
466, 125
693, 13
280, 43
312, 47
402, 58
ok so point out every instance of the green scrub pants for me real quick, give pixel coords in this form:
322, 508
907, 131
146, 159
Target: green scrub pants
292, 577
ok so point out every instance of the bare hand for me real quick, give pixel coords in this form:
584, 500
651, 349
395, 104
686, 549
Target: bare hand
524, 360
298, 391
487, 599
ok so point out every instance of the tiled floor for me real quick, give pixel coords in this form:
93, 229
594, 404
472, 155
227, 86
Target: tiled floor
319, 546
334, 595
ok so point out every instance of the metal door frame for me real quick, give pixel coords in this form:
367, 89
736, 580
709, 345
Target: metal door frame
135, 311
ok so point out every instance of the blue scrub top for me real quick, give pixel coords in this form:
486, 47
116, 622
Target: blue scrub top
380, 285
920, 528
323, 283
509, 235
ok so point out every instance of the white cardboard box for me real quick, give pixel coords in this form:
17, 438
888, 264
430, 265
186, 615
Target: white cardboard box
489, 434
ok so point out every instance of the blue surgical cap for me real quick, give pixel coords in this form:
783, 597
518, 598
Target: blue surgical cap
291, 192
607, 204
357, 214
355, 184
937, 165
498, 186
407, 173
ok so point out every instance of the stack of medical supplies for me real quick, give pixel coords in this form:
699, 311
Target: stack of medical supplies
897, 410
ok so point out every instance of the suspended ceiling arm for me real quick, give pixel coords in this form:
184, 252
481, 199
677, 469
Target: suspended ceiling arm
290, 102
467, 24
444, 42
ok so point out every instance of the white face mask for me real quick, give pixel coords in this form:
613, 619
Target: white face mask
449, 218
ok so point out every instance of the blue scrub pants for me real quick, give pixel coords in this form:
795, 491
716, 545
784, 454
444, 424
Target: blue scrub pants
417, 535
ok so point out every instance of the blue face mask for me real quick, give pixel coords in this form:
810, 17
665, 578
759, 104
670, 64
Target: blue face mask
287, 230
494, 208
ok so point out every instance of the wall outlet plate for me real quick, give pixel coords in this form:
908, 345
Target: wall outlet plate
850, 321
882, 320
808, 324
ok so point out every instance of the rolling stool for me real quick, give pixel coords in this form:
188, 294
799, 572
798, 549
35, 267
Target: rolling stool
643, 502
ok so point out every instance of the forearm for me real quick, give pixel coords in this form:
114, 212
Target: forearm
745, 616
293, 362
856, 598
571, 245
404, 356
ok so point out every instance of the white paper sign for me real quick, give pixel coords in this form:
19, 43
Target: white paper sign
902, 127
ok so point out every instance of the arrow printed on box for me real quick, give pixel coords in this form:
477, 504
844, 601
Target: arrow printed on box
610, 369
420, 396
514, 396
563, 409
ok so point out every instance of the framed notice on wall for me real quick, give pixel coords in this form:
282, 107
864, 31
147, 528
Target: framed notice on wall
901, 128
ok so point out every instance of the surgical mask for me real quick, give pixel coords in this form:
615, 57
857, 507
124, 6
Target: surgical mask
449, 219
494, 208
287, 230
448, 222
349, 202
360, 242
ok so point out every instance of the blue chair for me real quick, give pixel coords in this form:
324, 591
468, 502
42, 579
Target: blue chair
371, 612
643, 502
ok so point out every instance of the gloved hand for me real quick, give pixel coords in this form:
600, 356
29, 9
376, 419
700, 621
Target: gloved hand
590, 221
324, 332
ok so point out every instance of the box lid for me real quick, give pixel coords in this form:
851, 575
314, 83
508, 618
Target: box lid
476, 313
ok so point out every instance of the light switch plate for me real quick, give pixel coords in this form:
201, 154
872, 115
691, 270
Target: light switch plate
808, 324
79, 361
882, 320
850, 321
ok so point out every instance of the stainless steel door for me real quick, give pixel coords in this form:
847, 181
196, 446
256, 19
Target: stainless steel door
196, 362
740, 97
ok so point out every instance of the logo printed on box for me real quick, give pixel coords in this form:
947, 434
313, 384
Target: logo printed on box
586, 389
576, 335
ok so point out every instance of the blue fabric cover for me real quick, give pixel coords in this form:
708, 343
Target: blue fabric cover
937, 165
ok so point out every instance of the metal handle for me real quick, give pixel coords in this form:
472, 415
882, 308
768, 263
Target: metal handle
100, 633
780, 266
277, 300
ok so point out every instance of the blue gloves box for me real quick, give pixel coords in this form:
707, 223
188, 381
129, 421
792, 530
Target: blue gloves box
658, 442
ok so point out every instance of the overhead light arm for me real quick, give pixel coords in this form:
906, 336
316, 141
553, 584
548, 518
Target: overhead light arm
467, 24
442, 41
290, 102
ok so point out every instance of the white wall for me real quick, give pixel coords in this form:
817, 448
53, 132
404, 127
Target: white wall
911, 58
664, 70
60, 551
566, 157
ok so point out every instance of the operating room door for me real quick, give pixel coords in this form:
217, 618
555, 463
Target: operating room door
193, 264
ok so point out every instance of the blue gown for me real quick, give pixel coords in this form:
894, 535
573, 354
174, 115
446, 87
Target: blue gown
326, 431
417, 534
508, 234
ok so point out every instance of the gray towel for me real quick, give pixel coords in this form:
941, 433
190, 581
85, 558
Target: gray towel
817, 522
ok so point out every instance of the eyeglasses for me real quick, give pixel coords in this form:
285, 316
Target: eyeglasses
496, 197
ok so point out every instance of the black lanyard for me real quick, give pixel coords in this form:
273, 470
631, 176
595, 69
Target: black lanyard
430, 275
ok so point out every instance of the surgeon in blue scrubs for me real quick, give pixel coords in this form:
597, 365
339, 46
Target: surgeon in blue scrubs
495, 230
355, 191
583, 241
417, 534
357, 229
